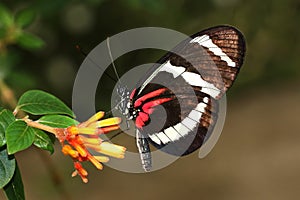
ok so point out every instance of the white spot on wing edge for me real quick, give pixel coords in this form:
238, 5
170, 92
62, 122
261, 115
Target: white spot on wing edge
205, 41
205, 100
201, 107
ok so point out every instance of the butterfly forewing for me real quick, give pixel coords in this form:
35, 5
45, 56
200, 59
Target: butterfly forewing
226, 47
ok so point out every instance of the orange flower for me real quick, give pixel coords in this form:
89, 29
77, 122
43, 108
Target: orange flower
76, 140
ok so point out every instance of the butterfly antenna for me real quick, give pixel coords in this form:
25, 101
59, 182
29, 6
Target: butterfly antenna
86, 55
108, 113
111, 58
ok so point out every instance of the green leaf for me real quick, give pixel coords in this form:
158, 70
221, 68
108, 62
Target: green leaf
43, 141
38, 102
24, 17
7, 167
57, 121
19, 136
29, 41
6, 118
6, 18
14, 190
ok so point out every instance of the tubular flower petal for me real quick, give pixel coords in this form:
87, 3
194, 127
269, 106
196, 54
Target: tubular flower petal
87, 130
67, 150
76, 141
80, 171
81, 150
109, 122
72, 130
94, 118
109, 128
102, 159
95, 162
112, 150
92, 140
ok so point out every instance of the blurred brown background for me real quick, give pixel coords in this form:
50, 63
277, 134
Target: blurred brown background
257, 155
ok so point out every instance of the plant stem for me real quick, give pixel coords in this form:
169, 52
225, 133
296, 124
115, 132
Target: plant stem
43, 127
58, 132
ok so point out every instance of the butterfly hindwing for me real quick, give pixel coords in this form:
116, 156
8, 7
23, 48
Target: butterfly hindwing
177, 126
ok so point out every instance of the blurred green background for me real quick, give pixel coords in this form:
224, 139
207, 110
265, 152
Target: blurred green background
257, 155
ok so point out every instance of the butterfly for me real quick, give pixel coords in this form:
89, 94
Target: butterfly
175, 105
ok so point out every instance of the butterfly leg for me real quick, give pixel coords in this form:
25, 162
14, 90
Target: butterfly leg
144, 150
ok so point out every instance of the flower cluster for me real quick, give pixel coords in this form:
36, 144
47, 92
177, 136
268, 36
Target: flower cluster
78, 139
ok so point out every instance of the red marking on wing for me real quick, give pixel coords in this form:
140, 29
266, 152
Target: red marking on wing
155, 93
148, 107
143, 116
132, 93
141, 119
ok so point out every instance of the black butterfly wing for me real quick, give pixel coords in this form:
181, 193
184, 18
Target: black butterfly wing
178, 98
217, 53
226, 48
180, 125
